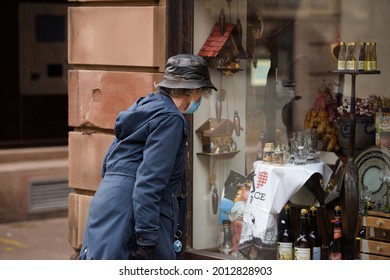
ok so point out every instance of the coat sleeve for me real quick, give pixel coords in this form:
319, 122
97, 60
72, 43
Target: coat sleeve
166, 136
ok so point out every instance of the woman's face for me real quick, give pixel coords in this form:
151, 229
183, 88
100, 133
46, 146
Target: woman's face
196, 95
199, 92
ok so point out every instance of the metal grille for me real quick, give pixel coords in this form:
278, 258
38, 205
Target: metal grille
48, 195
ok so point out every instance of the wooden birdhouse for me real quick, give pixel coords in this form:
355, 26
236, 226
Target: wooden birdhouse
217, 136
223, 47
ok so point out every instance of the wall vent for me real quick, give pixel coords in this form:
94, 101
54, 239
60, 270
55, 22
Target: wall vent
48, 195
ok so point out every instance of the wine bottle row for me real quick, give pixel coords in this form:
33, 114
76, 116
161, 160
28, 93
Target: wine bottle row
308, 244
366, 60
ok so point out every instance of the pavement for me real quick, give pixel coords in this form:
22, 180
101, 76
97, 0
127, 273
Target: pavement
45, 239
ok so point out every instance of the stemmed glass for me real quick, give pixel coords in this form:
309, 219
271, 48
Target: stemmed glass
384, 176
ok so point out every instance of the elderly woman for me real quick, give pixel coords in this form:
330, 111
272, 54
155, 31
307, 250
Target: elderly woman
134, 212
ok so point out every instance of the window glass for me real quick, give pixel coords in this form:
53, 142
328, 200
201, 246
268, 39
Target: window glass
272, 62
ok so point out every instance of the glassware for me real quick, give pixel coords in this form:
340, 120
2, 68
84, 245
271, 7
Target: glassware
362, 56
351, 63
373, 60
341, 57
278, 156
225, 237
286, 155
268, 152
300, 158
294, 141
310, 144
367, 64
299, 153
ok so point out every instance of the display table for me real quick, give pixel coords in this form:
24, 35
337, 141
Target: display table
273, 186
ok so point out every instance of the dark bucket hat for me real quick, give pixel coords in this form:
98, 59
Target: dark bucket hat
186, 71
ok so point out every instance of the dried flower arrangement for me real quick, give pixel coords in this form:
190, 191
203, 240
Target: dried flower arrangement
364, 107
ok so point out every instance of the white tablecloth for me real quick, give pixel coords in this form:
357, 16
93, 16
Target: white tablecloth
273, 187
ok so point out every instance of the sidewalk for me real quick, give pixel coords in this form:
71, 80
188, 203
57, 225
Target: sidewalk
35, 240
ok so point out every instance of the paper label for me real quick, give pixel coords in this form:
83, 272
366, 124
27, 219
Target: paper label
302, 253
316, 253
285, 251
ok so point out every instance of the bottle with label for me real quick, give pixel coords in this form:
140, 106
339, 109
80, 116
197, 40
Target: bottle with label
336, 244
373, 59
342, 56
362, 57
367, 65
285, 240
351, 62
303, 246
315, 235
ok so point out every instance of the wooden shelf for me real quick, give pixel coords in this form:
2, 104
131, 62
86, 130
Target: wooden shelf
219, 155
356, 72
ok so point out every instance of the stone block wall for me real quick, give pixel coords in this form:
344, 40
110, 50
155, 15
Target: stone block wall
117, 51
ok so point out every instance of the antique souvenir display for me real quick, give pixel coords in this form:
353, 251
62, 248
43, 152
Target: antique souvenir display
369, 164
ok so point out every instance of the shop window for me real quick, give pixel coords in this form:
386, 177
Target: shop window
287, 63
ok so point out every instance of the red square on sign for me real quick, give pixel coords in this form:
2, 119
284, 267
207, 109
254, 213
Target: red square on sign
262, 179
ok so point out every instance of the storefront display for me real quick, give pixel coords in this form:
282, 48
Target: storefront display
273, 186
278, 111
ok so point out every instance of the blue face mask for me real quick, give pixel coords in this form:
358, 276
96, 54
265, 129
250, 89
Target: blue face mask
193, 106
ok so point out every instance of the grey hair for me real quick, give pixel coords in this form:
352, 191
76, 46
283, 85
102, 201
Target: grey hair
182, 92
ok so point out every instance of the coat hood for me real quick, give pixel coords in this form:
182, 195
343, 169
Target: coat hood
144, 109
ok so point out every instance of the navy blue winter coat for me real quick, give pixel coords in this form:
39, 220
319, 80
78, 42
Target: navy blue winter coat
136, 201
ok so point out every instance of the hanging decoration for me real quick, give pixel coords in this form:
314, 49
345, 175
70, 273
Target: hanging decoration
255, 29
237, 32
213, 187
218, 144
223, 48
